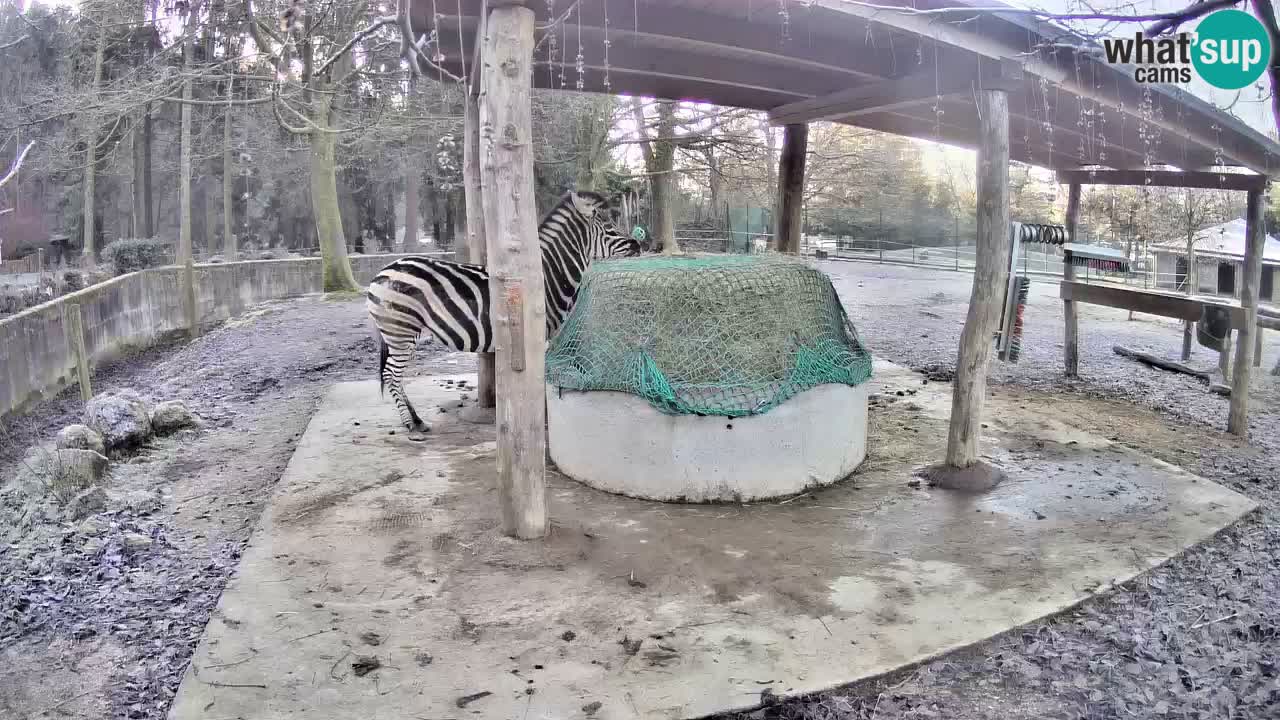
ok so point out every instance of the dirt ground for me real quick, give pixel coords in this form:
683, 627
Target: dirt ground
104, 626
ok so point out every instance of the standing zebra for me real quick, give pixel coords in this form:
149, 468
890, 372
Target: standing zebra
451, 300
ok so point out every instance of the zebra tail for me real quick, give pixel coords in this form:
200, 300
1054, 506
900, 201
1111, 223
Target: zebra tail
383, 354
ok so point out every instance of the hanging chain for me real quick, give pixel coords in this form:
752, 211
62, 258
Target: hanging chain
581, 62
607, 43
551, 46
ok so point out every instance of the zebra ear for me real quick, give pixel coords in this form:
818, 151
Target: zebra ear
582, 204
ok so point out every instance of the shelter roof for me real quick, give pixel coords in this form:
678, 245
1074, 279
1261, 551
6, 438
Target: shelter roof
900, 72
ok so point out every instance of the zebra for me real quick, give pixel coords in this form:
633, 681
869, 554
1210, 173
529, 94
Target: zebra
450, 300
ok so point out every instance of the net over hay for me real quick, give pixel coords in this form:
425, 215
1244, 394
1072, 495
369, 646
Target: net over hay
728, 335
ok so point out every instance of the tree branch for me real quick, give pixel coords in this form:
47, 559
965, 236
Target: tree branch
17, 165
1267, 14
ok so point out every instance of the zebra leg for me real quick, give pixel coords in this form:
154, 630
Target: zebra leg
395, 358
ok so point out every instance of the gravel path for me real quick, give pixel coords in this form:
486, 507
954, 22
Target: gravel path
103, 626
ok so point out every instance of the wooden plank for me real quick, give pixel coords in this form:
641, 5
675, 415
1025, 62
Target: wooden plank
1255, 237
1166, 178
1159, 362
515, 262
1178, 307
1071, 332
476, 246
991, 268
75, 338
795, 148
873, 97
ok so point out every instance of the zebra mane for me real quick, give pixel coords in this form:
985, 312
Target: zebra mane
565, 203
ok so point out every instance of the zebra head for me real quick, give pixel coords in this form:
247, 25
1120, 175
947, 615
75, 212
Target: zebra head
603, 238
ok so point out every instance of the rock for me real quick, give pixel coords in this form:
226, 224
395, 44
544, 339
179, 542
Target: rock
123, 419
215, 259
92, 526
137, 541
141, 502
60, 472
92, 546
171, 416
86, 503
81, 437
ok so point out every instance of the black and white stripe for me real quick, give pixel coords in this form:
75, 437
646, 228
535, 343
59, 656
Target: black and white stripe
450, 300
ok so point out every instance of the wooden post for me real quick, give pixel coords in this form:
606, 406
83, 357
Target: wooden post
1224, 359
1071, 331
515, 262
795, 147
1255, 236
40, 266
475, 228
1257, 348
75, 339
991, 269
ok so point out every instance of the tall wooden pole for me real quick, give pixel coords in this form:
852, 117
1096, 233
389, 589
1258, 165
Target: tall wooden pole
990, 275
795, 146
1070, 336
478, 250
515, 261
1255, 236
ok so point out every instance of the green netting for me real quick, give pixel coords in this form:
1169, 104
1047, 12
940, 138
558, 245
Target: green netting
727, 335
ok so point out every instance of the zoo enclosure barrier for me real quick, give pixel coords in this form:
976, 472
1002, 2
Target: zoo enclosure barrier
37, 357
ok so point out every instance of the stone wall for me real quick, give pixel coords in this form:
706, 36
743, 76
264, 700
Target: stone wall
137, 310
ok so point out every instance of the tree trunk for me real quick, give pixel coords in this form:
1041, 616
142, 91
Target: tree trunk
90, 250
140, 186
412, 216
771, 176
715, 181
228, 185
184, 179
664, 179
148, 196
515, 283
990, 278
324, 205
795, 146
451, 230
659, 160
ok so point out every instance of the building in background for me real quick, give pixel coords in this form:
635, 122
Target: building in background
1219, 256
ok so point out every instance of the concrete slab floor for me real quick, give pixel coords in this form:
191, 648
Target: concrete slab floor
377, 550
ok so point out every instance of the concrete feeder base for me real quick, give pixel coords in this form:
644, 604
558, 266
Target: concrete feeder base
619, 443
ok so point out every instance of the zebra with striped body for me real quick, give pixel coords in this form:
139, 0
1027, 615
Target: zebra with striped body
450, 300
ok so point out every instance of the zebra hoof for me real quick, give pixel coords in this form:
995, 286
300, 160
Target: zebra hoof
419, 433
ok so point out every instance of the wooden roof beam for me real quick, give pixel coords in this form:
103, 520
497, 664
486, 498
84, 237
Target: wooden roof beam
1166, 178
963, 78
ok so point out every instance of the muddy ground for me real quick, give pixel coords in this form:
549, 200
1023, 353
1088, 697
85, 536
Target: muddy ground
100, 627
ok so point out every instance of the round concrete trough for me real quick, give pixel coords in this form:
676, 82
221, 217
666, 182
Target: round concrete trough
619, 443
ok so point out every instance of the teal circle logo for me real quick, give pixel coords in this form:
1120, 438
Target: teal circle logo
1232, 49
